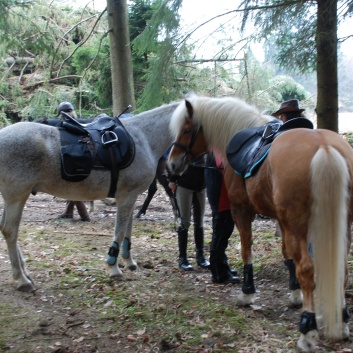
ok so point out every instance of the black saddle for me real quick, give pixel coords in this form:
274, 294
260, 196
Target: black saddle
249, 147
102, 144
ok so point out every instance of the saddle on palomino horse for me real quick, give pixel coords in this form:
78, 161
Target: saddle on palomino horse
102, 144
249, 147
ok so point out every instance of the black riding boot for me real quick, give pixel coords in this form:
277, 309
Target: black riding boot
199, 242
183, 244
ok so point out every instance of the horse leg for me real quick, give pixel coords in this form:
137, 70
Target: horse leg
151, 191
9, 227
305, 273
122, 238
243, 222
295, 298
163, 180
125, 252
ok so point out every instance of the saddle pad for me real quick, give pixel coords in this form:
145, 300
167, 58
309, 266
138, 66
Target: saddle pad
249, 147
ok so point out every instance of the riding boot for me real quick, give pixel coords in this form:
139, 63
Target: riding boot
223, 227
183, 243
199, 242
82, 211
69, 211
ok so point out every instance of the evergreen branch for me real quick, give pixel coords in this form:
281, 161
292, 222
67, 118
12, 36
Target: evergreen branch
62, 39
251, 8
201, 61
91, 63
83, 41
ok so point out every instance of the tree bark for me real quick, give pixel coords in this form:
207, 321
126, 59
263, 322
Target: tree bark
120, 55
327, 78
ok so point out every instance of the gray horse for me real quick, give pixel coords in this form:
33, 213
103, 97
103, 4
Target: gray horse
30, 161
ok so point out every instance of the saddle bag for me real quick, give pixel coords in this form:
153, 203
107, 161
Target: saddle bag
77, 162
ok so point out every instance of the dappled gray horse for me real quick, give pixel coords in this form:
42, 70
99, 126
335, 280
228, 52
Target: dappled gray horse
30, 161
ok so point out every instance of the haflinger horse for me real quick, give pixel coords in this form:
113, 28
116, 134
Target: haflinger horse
305, 183
30, 160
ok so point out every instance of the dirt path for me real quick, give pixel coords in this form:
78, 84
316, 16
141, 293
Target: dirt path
77, 308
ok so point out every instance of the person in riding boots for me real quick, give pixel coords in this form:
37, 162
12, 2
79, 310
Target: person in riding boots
190, 193
222, 221
289, 110
68, 108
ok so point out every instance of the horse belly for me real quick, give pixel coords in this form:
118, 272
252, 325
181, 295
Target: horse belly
260, 192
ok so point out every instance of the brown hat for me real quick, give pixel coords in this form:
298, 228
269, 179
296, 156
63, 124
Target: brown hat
290, 106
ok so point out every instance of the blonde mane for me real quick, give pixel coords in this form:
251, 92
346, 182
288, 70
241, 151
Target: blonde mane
220, 118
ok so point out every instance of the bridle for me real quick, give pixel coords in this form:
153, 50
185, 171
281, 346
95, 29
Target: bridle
194, 161
188, 149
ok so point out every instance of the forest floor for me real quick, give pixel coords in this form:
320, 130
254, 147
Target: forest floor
78, 309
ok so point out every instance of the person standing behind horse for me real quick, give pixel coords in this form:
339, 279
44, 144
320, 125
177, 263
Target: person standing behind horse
289, 110
190, 194
222, 221
68, 108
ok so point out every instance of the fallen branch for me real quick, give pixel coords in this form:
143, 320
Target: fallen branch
80, 233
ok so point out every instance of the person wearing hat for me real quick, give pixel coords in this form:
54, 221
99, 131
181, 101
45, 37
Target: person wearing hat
68, 108
289, 110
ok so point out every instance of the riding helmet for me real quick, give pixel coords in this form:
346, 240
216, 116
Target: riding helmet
65, 107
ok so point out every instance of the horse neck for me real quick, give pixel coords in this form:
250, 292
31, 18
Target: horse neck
155, 126
222, 119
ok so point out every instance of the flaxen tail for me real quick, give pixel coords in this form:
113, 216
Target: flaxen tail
328, 234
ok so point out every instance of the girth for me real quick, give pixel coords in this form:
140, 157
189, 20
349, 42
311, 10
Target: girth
249, 147
103, 144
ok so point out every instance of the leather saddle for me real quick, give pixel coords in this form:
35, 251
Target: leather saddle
249, 147
102, 144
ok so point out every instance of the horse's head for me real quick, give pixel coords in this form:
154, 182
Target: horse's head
190, 141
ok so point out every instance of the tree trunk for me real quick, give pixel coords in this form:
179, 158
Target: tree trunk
327, 80
120, 55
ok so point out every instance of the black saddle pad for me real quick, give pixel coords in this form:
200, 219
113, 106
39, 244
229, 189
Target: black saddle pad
249, 147
104, 144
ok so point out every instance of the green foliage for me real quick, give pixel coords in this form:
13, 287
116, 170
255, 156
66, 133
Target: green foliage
294, 37
33, 34
156, 45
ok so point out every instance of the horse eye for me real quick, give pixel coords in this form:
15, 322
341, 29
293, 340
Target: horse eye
187, 131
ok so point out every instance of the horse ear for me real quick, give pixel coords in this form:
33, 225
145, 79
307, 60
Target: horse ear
189, 108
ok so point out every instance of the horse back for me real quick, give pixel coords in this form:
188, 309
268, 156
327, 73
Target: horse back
284, 177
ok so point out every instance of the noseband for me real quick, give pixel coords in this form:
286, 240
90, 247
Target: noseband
188, 149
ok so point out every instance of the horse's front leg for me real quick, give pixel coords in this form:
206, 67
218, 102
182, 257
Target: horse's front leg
243, 222
9, 227
126, 248
122, 239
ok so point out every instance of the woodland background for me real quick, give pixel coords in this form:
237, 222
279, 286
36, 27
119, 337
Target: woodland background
53, 51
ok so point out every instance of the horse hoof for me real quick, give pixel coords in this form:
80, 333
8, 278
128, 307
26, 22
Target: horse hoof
307, 343
132, 267
245, 299
295, 299
26, 287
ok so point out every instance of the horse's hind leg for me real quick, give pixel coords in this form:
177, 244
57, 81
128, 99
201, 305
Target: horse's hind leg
296, 298
9, 227
305, 273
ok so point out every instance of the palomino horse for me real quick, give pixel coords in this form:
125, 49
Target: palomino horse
30, 160
305, 183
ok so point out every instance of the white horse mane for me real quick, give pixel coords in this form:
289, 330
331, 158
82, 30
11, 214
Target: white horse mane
220, 118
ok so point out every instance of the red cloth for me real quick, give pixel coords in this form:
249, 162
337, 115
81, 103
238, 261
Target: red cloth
224, 203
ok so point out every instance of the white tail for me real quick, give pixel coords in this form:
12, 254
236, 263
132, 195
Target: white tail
328, 234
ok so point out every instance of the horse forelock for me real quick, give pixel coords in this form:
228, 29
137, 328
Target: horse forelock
220, 118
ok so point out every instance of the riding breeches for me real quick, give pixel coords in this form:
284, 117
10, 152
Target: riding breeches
191, 203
